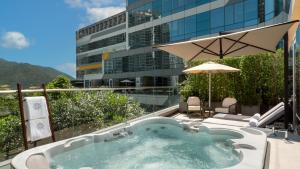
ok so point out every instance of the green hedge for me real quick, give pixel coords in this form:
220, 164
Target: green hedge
101, 108
10, 134
260, 80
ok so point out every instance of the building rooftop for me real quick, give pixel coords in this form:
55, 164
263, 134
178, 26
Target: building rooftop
101, 25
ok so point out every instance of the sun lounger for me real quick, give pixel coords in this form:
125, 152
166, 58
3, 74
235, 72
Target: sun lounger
246, 118
226, 122
266, 119
232, 117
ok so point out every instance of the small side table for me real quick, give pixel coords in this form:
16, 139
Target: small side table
209, 111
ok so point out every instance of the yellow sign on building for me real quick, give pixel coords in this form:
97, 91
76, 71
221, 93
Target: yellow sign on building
89, 67
105, 56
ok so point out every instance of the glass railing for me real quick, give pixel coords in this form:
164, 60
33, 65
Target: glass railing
80, 111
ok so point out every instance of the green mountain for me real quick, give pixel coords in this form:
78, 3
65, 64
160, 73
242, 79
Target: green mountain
26, 74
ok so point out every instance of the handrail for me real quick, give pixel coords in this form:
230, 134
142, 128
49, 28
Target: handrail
85, 89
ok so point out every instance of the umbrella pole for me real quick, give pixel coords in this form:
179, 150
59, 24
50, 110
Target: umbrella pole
209, 90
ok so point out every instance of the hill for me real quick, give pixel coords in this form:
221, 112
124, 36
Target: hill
28, 75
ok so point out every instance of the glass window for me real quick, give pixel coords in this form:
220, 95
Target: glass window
195, 3
90, 59
190, 27
178, 5
229, 15
102, 43
269, 9
251, 12
140, 38
162, 33
203, 23
177, 30
166, 7
140, 15
156, 9
131, 1
238, 12
217, 20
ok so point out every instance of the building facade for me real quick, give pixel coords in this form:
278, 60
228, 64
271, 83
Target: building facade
121, 47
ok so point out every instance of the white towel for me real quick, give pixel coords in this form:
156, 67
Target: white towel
35, 108
38, 129
253, 122
256, 116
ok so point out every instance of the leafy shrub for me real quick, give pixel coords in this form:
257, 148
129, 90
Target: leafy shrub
103, 107
10, 133
260, 80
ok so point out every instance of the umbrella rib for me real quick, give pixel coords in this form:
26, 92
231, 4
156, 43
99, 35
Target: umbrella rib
202, 49
214, 54
237, 49
250, 45
206, 48
226, 52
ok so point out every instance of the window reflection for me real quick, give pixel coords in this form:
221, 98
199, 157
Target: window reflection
140, 38
217, 21
160, 8
90, 59
269, 9
102, 43
235, 15
142, 62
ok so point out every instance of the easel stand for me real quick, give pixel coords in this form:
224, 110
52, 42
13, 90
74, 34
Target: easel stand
23, 122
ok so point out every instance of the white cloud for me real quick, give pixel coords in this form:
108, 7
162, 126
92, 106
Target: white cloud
97, 9
14, 40
68, 68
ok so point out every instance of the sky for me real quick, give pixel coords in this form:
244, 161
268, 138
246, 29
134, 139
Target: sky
42, 32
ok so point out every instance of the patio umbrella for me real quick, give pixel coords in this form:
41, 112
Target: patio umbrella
126, 81
210, 68
248, 42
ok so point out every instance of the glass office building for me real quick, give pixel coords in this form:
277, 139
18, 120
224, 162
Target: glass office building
121, 47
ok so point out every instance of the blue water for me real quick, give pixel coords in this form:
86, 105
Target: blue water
153, 146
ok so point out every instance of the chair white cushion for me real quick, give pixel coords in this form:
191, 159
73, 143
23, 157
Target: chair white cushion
228, 102
222, 110
194, 108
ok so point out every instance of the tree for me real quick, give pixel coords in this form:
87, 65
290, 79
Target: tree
60, 82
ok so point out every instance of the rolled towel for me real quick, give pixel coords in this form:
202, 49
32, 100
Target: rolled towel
253, 122
256, 116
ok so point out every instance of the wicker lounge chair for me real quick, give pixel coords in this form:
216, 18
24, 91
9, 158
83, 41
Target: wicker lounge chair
228, 106
194, 105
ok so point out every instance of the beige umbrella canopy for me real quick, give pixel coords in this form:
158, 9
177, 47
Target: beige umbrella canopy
210, 68
248, 42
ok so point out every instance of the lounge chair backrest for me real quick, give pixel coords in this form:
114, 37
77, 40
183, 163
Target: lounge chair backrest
193, 101
271, 117
272, 110
228, 101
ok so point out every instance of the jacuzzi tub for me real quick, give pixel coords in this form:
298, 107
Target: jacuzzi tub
156, 142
